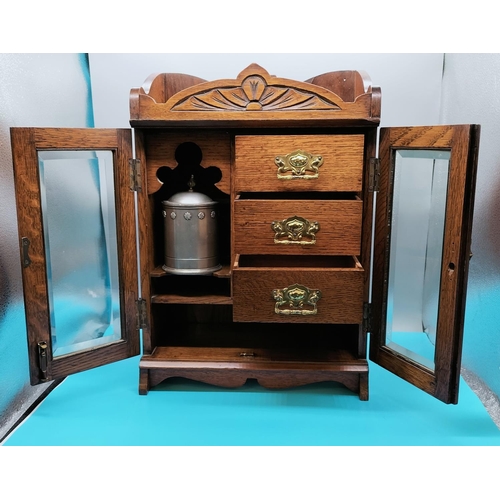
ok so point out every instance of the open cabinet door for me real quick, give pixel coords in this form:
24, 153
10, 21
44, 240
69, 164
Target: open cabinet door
421, 253
78, 247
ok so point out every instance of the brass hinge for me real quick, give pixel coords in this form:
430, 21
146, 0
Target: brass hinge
141, 314
367, 317
135, 174
42, 359
374, 176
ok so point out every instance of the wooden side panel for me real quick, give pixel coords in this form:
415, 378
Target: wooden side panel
339, 226
146, 252
342, 167
367, 231
161, 87
348, 85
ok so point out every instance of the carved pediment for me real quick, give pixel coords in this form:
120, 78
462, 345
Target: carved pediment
254, 94
235, 101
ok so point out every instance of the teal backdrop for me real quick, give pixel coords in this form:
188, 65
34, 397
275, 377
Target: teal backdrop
43, 90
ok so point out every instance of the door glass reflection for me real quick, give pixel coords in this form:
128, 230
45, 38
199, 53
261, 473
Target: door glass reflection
418, 215
78, 211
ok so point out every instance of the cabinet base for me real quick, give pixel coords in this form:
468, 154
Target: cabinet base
270, 374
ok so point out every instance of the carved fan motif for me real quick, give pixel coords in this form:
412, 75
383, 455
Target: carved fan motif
254, 95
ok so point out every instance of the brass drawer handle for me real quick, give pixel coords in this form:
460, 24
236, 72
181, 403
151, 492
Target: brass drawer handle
295, 231
299, 299
298, 165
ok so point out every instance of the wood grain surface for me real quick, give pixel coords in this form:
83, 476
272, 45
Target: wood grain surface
255, 168
341, 294
339, 226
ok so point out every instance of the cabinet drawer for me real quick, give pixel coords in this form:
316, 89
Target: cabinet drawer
299, 163
280, 289
298, 227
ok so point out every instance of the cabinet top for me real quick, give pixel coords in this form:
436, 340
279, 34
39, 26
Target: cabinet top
256, 99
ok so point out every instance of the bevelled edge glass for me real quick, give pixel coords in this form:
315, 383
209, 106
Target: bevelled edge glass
420, 183
79, 223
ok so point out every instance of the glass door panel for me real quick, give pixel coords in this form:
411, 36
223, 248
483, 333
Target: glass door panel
417, 220
76, 220
78, 213
421, 253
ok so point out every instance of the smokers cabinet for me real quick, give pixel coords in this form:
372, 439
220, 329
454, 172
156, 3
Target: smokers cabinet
321, 241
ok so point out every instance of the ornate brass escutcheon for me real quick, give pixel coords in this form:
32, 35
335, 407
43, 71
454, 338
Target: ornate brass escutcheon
298, 165
296, 299
295, 230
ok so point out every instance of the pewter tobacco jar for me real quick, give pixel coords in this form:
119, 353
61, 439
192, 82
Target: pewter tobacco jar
190, 233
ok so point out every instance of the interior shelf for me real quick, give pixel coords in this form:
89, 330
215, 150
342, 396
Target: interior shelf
337, 360
195, 289
224, 272
191, 299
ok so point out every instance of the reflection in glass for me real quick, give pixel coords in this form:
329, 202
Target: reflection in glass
78, 210
416, 248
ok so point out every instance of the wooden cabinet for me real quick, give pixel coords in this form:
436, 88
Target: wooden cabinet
294, 170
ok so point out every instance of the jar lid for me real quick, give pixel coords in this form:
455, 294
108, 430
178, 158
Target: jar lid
189, 198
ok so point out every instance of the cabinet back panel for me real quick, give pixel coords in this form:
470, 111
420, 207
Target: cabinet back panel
212, 326
161, 146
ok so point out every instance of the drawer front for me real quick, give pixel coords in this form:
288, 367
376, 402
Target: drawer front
298, 296
297, 227
299, 163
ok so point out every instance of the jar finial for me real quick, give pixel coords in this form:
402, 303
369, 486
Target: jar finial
191, 183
